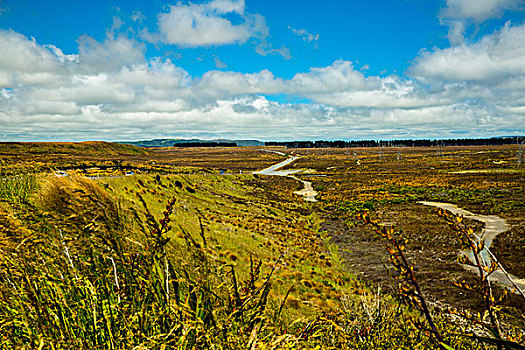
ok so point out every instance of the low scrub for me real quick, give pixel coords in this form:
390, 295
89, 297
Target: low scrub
75, 273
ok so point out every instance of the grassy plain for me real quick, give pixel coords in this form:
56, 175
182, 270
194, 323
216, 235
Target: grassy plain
483, 180
106, 159
320, 268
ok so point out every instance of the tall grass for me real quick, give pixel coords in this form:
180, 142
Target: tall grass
17, 188
89, 288
77, 277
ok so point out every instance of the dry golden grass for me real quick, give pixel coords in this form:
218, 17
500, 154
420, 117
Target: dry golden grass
176, 284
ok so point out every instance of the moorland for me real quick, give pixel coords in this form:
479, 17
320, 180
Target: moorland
106, 245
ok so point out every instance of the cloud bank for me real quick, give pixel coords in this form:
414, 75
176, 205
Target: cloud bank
110, 90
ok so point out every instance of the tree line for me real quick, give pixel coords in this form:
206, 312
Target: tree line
496, 141
206, 144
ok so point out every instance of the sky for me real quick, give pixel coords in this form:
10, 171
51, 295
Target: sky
261, 69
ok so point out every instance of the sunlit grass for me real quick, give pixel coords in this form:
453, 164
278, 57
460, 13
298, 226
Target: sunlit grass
97, 264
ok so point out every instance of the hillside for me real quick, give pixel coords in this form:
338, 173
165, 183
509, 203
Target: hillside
70, 148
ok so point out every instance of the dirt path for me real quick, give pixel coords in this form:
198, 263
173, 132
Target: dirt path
274, 169
493, 225
308, 192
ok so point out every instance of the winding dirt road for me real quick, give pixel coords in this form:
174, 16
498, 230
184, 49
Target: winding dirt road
308, 192
493, 226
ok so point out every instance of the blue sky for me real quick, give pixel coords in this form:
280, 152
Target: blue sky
114, 70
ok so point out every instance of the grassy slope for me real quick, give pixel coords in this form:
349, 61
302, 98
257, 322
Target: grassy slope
236, 224
237, 227
70, 148
325, 305
17, 157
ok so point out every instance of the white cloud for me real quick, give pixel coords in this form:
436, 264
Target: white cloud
456, 32
264, 49
495, 57
137, 16
340, 76
305, 35
110, 55
219, 64
321, 83
223, 85
227, 6
458, 14
111, 91
154, 74
30, 56
479, 10
24, 61
50, 107
206, 24
6, 79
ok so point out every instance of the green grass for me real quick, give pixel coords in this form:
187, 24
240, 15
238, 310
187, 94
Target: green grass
125, 263
17, 188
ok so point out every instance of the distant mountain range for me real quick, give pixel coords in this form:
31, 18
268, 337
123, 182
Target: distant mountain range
171, 142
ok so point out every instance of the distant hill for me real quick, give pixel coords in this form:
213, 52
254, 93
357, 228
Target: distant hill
71, 148
171, 142
248, 143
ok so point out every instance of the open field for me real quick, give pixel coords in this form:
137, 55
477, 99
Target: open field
320, 267
104, 158
483, 180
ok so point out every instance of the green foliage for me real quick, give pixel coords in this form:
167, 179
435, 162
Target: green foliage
89, 288
75, 273
489, 198
17, 188
352, 207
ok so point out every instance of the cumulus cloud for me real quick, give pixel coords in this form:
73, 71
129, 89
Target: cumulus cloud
479, 10
208, 24
110, 90
318, 83
340, 76
155, 74
223, 85
30, 56
392, 93
34, 63
458, 14
497, 56
113, 53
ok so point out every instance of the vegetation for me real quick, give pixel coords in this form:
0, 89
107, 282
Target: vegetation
167, 259
496, 141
